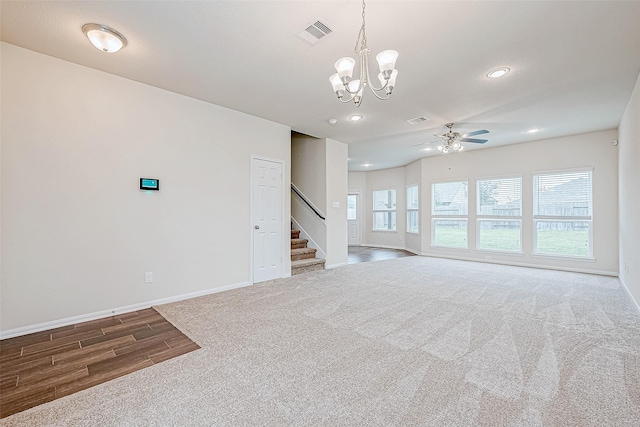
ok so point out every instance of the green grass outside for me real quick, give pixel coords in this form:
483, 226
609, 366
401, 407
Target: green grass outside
500, 240
551, 242
570, 243
451, 237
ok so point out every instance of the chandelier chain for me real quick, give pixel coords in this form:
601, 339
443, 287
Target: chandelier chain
362, 35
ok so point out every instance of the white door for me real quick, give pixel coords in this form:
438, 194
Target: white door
353, 217
267, 220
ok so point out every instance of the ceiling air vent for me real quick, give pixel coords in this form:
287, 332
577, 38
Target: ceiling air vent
417, 120
314, 31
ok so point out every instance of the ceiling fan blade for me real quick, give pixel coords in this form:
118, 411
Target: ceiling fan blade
477, 132
477, 141
427, 143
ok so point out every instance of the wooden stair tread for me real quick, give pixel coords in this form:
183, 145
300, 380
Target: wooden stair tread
294, 241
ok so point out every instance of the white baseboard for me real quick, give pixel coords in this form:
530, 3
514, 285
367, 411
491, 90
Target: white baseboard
341, 264
626, 289
524, 264
386, 247
111, 312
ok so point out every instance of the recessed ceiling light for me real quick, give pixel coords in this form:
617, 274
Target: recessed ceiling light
498, 72
355, 117
332, 122
427, 149
104, 38
533, 130
366, 165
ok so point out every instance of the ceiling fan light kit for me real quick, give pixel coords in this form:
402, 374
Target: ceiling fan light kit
342, 81
451, 141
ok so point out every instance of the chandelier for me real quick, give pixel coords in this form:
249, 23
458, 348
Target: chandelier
342, 81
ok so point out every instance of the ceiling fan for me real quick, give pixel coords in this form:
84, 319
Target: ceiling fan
451, 141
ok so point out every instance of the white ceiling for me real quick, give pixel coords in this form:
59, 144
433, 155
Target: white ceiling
573, 64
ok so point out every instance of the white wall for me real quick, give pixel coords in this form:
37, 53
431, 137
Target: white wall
587, 150
336, 184
309, 168
629, 195
78, 236
413, 176
387, 179
357, 181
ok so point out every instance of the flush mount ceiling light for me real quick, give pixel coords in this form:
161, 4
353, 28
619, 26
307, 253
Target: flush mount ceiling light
104, 38
341, 81
355, 117
498, 72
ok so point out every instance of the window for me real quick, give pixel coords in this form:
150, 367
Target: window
384, 210
499, 210
352, 204
562, 213
413, 216
450, 210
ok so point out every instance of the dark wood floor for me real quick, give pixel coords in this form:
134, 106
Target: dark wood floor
367, 254
44, 366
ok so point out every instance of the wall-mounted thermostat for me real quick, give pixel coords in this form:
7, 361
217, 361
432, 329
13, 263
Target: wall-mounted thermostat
149, 184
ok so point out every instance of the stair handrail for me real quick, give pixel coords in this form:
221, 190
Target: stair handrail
307, 202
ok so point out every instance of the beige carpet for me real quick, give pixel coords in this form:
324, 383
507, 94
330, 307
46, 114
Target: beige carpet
412, 341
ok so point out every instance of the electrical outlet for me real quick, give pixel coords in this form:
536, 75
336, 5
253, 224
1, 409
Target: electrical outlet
148, 277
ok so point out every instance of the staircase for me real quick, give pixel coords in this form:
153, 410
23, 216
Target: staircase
303, 259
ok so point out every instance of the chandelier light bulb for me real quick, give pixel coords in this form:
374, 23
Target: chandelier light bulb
353, 86
391, 82
344, 67
338, 87
387, 61
456, 146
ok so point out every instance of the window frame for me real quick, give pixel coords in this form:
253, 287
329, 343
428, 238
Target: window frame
388, 211
435, 218
415, 210
504, 218
561, 218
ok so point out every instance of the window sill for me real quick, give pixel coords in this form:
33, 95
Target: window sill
384, 231
497, 252
564, 257
455, 248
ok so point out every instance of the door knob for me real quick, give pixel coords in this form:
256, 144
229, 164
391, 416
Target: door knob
257, 227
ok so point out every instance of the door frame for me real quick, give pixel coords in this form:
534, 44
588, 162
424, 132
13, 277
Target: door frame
284, 252
358, 215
